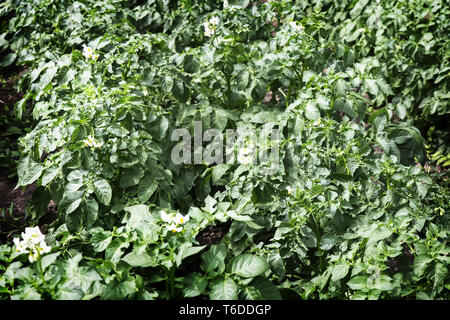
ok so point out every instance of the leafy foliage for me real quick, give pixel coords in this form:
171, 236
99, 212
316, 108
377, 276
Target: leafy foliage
346, 216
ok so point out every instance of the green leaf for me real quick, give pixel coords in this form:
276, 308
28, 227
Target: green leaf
100, 239
339, 271
103, 191
48, 76
251, 293
420, 264
143, 260
131, 176
48, 259
218, 171
180, 91
146, 188
167, 84
117, 290
219, 119
249, 265
29, 171
352, 165
266, 289
311, 111
19, 107
139, 210
242, 79
66, 292
73, 206
223, 289
73, 218
384, 283
186, 250
438, 275
214, 259
194, 284
91, 211
358, 283
115, 249
327, 241
8, 59
49, 175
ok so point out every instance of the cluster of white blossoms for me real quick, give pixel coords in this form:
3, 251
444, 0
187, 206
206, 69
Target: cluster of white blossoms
296, 26
210, 26
33, 243
245, 154
88, 53
174, 220
91, 142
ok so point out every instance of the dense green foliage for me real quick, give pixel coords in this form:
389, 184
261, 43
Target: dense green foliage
348, 215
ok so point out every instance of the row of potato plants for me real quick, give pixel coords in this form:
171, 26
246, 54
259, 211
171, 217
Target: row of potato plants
348, 215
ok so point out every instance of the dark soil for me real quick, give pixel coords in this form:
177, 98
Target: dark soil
17, 197
213, 234
13, 202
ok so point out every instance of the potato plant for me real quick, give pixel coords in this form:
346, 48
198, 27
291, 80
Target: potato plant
349, 212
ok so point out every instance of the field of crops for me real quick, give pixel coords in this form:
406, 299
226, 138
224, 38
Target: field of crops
224, 150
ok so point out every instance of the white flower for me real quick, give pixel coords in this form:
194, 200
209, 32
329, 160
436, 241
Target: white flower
244, 159
209, 29
32, 235
33, 243
20, 246
88, 53
225, 4
33, 256
92, 142
167, 217
43, 247
214, 21
245, 155
289, 190
180, 219
173, 227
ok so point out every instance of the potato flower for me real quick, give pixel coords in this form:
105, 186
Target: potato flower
209, 29
167, 217
173, 227
210, 26
180, 219
214, 21
174, 220
289, 190
33, 243
245, 155
88, 53
92, 142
